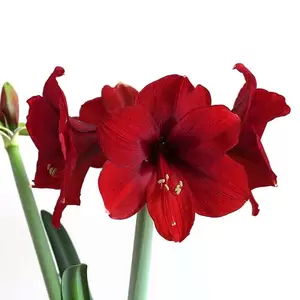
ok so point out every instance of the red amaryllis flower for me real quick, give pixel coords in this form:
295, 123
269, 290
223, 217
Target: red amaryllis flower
168, 152
67, 146
256, 107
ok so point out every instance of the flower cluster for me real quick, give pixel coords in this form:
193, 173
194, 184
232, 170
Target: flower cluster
166, 147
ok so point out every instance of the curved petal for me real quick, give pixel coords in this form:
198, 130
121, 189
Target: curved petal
92, 111
254, 204
124, 137
170, 204
118, 97
265, 107
204, 135
160, 97
71, 188
244, 99
123, 189
52, 91
221, 191
191, 98
250, 153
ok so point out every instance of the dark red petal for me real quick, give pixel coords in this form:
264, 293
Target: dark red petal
221, 191
118, 97
243, 102
123, 189
80, 155
71, 188
191, 98
124, 137
52, 91
205, 134
251, 154
255, 206
92, 111
160, 97
42, 125
266, 106
49, 171
172, 212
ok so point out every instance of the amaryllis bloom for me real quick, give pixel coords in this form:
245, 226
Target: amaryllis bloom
68, 146
256, 107
169, 152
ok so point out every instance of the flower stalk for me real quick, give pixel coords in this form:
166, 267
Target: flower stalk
141, 257
34, 223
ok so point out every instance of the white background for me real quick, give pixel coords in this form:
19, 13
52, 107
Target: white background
102, 42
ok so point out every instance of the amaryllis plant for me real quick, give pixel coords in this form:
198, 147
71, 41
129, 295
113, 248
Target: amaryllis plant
165, 153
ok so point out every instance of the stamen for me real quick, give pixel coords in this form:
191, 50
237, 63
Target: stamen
166, 187
161, 181
164, 182
52, 171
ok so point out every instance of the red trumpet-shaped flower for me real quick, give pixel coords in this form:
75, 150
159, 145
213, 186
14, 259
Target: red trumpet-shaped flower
256, 107
67, 146
168, 152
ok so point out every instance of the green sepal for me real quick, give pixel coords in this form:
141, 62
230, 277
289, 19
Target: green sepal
9, 107
74, 283
22, 129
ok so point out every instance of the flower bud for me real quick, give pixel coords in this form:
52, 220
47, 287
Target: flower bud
9, 107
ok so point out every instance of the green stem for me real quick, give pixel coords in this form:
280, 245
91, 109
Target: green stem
141, 257
34, 224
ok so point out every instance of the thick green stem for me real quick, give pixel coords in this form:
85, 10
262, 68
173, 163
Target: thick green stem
141, 257
34, 224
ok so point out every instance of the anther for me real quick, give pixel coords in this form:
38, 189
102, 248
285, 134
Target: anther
52, 171
166, 187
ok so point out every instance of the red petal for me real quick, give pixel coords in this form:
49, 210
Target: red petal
49, 171
191, 98
81, 152
265, 107
251, 154
243, 102
42, 125
255, 206
71, 188
221, 191
92, 111
204, 135
118, 97
160, 97
172, 213
123, 189
52, 91
124, 137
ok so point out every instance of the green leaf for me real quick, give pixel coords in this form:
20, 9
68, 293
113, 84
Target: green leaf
9, 106
62, 246
75, 284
